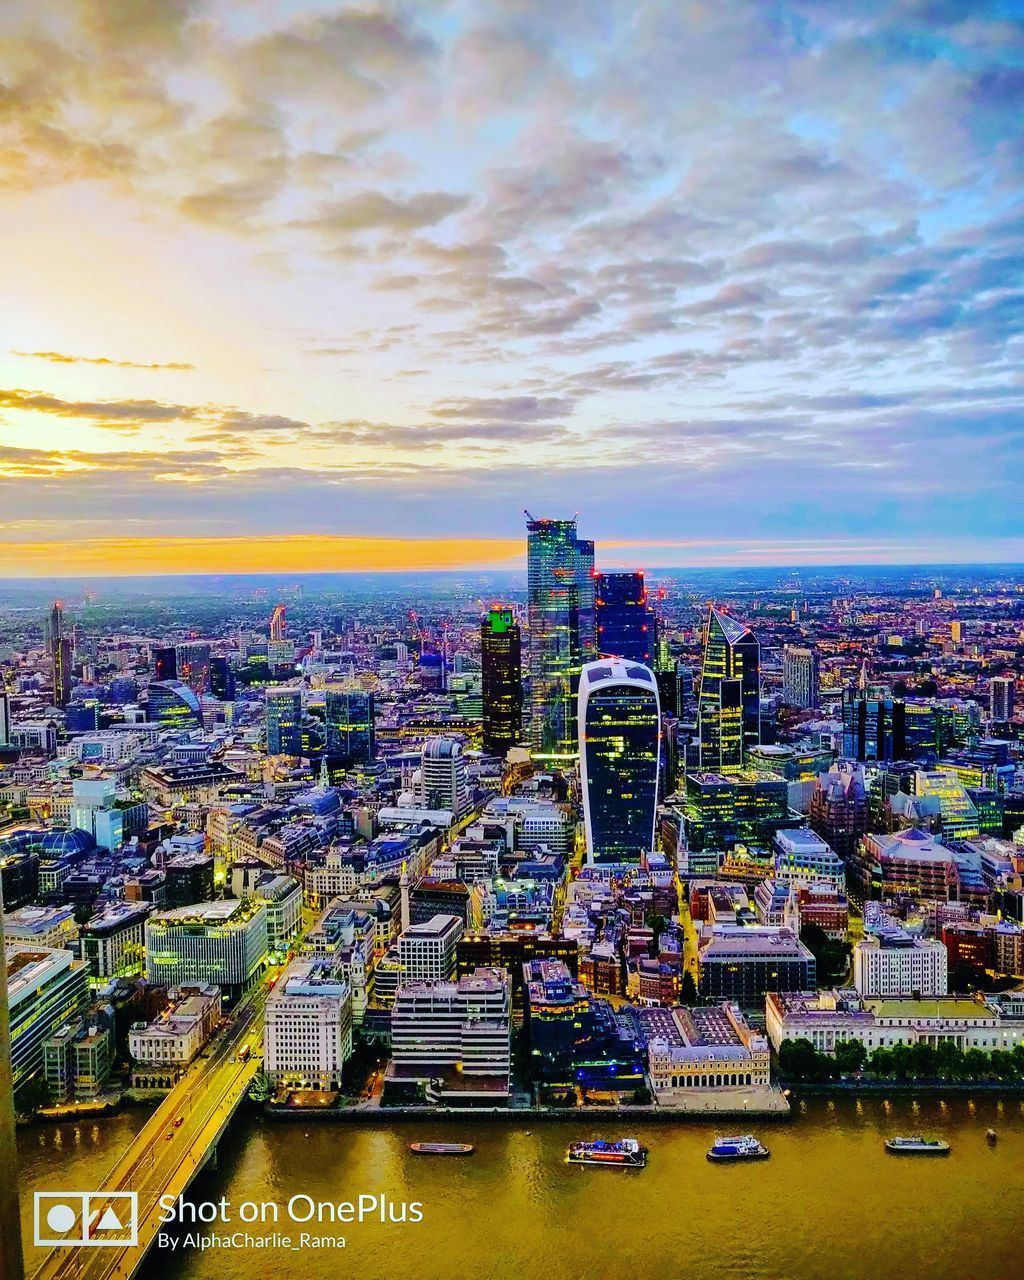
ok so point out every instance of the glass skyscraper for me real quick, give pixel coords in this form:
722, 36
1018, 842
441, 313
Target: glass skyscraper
560, 569
284, 722
349, 724
729, 703
620, 755
502, 670
626, 627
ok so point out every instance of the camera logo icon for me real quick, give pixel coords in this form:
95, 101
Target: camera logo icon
86, 1219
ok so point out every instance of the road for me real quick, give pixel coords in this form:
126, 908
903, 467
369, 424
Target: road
163, 1159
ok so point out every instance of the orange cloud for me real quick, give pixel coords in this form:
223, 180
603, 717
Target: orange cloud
303, 553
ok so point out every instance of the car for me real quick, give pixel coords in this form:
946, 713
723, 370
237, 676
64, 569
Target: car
169, 1135
179, 1122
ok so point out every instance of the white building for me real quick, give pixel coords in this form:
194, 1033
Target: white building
827, 1018
713, 1048
441, 781
307, 1036
41, 926
426, 951
459, 1033
894, 963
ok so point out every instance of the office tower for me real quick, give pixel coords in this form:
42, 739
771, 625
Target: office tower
45, 988
729, 702
222, 943
620, 754
875, 726
560, 570
426, 951
800, 677
189, 879
501, 660
277, 622
625, 626
284, 722
193, 662
165, 663
58, 646
1000, 694
172, 703
222, 679
442, 781
349, 717
5, 718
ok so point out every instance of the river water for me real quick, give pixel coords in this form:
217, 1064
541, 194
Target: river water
830, 1203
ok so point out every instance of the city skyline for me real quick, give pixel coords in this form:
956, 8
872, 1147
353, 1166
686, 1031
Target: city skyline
324, 286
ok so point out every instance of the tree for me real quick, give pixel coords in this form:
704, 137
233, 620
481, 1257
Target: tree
688, 991
850, 1055
799, 1060
657, 924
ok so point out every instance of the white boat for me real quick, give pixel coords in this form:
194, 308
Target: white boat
917, 1146
744, 1147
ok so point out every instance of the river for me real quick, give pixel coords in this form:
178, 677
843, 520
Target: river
830, 1203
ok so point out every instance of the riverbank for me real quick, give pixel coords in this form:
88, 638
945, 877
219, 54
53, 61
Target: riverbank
905, 1088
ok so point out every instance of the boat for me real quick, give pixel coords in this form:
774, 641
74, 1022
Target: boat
626, 1153
744, 1147
991, 1137
442, 1148
917, 1146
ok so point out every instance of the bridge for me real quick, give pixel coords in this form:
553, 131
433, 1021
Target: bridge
172, 1147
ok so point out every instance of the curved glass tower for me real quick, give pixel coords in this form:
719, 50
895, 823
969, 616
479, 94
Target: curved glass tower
620, 754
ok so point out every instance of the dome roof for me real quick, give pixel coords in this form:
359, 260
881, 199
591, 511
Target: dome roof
61, 843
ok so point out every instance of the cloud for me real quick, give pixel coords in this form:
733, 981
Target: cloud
508, 409
119, 414
60, 357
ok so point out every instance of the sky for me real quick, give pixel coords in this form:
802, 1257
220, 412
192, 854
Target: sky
319, 286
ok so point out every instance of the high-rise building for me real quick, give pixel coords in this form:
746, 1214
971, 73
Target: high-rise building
222, 679
284, 722
307, 1035
5, 718
501, 660
193, 662
58, 646
560, 568
625, 626
1000, 695
165, 663
277, 622
875, 725
799, 677
442, 781
620, 754
349, 724
729, 703
45, 988
427, 950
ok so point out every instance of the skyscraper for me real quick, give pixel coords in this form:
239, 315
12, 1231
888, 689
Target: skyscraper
5, 717
1000, 694
172, 703
349, 720
729, 702
58, 647
620, 751
277, 622
625, 626
442, 781
284, 722
874, 725
800, 677
193, 662
222, 679
560, 569
165, 663
501, 661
